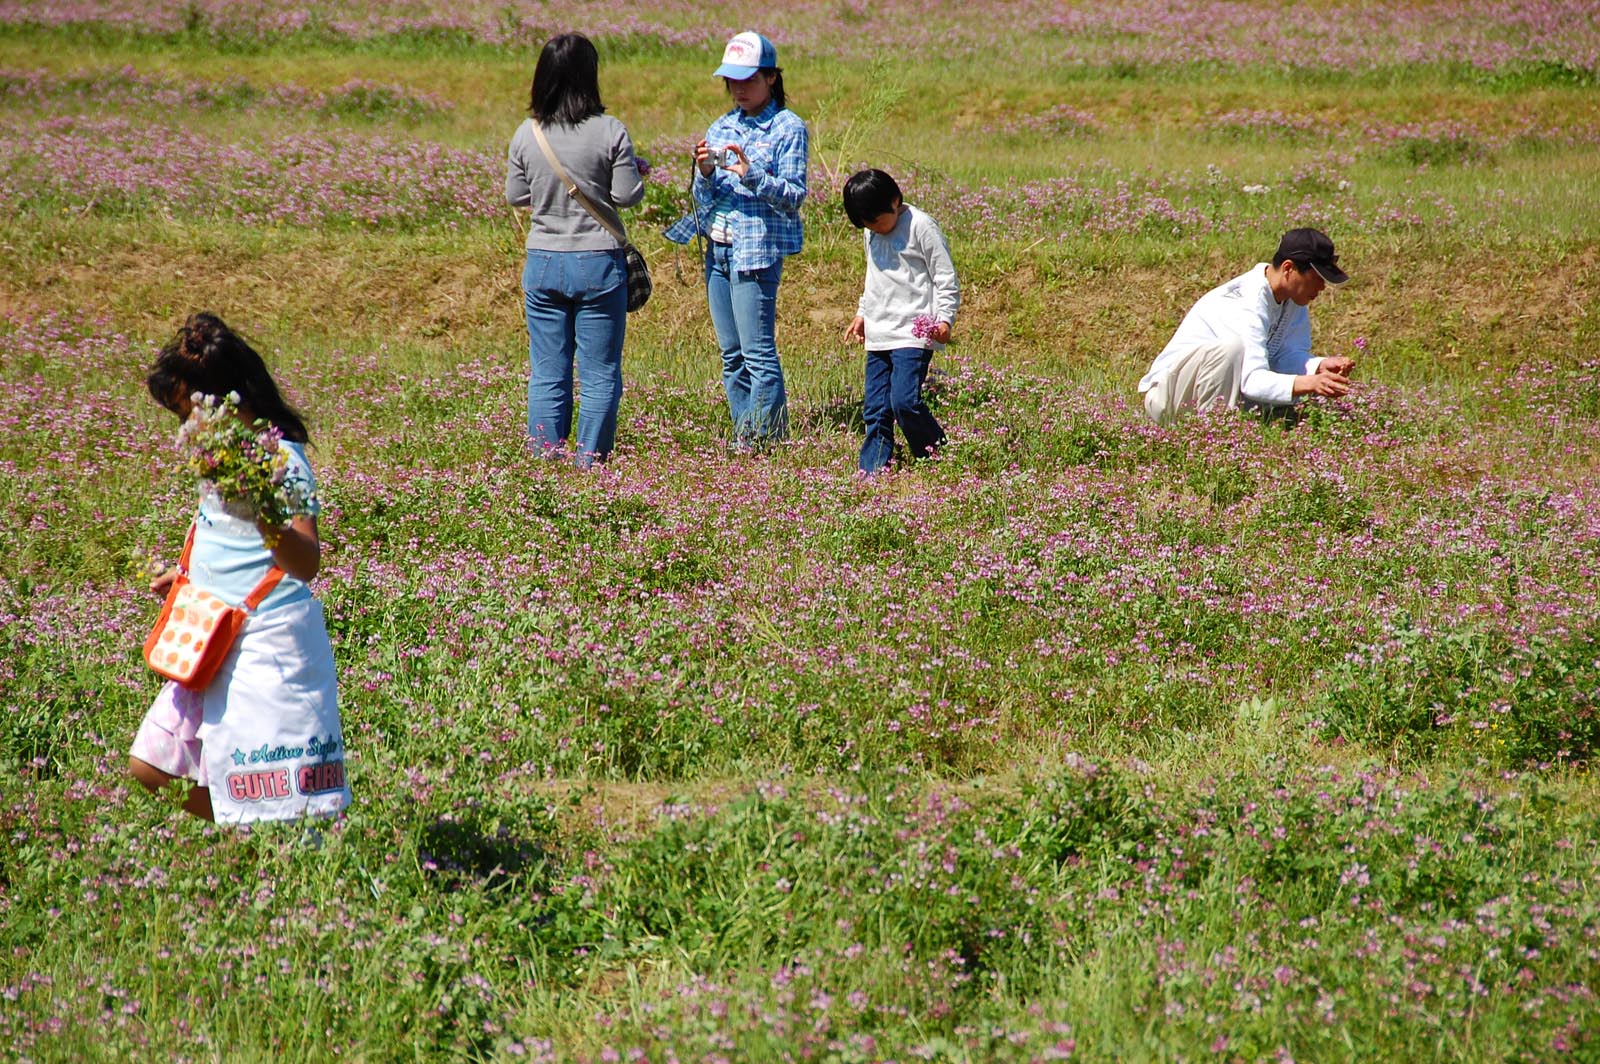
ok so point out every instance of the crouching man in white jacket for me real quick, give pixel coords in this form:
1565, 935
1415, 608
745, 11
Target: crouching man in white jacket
1251, 337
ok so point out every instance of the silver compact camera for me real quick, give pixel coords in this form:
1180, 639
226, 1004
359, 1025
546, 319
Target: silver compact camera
722, 157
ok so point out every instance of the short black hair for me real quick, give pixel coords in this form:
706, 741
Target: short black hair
566, 82
868, 194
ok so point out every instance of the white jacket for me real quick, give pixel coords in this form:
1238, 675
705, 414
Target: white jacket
1276, 337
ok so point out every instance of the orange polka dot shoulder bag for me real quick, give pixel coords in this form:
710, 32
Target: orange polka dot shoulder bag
196, 629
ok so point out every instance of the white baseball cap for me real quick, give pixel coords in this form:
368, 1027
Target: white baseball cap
745, 54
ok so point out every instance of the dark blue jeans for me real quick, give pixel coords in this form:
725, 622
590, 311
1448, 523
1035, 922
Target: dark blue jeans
576, 305
894, 394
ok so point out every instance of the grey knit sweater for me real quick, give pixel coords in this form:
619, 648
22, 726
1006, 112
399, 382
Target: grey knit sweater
597, 154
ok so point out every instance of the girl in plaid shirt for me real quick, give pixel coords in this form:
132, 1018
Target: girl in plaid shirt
749, 183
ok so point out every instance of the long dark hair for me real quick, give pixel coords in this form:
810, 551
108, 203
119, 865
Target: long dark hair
777, 86
208, 357
566, 82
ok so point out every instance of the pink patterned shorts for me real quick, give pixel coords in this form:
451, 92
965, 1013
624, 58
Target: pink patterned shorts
168, 738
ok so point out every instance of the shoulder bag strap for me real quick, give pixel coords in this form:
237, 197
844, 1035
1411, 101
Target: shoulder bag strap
264, 588
188, 547
572, 188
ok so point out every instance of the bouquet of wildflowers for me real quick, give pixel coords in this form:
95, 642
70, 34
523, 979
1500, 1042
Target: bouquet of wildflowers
923, 325
244, 463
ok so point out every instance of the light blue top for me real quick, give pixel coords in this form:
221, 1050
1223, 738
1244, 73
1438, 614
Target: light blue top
229, 558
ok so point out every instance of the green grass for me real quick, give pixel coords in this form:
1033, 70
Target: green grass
1089, 740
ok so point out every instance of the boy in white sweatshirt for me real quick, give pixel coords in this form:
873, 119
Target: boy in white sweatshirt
907, 308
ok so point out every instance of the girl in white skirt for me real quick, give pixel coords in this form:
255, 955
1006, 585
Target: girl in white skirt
262, 741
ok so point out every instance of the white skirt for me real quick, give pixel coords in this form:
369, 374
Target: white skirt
271, 747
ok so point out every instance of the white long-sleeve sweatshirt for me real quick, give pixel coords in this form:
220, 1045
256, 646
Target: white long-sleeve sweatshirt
909, 275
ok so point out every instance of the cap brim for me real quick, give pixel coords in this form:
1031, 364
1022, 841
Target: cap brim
1330, 273
737, 73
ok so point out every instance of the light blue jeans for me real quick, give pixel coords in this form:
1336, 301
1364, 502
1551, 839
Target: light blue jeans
576, 304
744, 311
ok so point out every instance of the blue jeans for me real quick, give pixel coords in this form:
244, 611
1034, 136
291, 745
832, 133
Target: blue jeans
744, 311
576, 303
894, 394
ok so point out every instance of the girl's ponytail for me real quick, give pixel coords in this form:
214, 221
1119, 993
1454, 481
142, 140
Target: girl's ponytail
208, 357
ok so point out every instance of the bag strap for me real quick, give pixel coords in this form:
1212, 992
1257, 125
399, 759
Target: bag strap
572, 186
188, 546
264, 588
256, 597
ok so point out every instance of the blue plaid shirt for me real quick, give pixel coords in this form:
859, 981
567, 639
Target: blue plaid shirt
764, 206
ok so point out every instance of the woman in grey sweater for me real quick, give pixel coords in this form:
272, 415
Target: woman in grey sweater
575, 281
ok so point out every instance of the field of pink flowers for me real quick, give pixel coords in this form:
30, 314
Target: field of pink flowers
1086, 740
1485, 36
